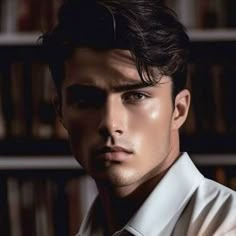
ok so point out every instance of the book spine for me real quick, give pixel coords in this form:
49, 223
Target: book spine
8, 18
14, 207
27, 203
4, 208
186, 9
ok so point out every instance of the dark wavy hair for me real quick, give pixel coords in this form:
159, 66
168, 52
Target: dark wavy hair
150, 30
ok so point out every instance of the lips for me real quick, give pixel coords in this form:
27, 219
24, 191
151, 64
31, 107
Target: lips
113, 153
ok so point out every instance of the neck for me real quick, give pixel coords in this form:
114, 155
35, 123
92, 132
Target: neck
118, 208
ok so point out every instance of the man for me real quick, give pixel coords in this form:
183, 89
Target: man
120, 70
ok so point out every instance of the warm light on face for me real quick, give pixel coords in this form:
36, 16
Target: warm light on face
120, 130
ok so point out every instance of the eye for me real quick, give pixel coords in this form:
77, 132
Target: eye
83, 100
86, 98
135, 97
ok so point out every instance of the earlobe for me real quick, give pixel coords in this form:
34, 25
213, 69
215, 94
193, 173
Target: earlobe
182, 103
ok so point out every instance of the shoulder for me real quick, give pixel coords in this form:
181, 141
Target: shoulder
211, 188
216, 198
213, 210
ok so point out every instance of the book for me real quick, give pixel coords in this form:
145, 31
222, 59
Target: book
8, 16
7, 99
189, 126
217, 85
14, 207
27, 206
203, 98
229, 95
44, 207
43, 119
17, 93
74, 205
4, 207
39, 16
24, 16
2, 118
230, 6
221, 12
186, 10
220, 175
28, 15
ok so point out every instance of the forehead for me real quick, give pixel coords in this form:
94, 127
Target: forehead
91, 65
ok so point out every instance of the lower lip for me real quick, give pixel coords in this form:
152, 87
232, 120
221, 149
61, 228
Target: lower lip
115, 156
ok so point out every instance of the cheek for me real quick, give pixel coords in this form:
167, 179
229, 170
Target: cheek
151, 125
155, 114
159, 112
79, 125
81, 135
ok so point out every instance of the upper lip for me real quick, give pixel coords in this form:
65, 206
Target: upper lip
107, 149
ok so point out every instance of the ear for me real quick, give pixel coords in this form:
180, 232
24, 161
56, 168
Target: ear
57, 104
182, 103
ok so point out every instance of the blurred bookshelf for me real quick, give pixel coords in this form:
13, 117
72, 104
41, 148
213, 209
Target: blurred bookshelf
41, 184
19, 39
210, 131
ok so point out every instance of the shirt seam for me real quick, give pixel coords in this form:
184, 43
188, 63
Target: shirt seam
133, 231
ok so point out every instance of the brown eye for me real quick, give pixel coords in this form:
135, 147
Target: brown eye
134, 97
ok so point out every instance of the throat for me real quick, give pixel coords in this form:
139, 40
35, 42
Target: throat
120, 205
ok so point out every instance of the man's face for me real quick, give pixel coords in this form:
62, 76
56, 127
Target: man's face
121, 132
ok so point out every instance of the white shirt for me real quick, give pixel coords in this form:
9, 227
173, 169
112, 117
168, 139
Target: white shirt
184, 203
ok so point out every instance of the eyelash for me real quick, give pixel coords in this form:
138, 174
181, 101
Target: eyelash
134, 97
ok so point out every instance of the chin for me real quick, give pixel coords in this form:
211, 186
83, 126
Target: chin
115, 176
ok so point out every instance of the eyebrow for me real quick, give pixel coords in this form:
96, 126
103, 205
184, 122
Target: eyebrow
132, 86
119, 88
78, 88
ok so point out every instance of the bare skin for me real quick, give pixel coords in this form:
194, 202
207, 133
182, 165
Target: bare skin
123, 133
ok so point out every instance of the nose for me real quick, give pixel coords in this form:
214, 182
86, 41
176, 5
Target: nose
113, 122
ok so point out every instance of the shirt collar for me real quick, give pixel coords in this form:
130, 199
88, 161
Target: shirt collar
161, 210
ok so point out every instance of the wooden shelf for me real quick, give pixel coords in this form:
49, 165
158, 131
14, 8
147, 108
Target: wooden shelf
67, 163
39, 163
212, 35
196, 35
214, 159
19, 39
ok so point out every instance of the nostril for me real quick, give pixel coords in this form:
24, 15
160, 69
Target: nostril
105, 132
